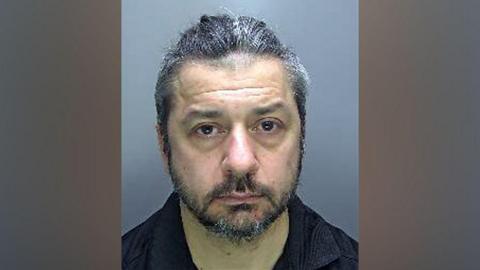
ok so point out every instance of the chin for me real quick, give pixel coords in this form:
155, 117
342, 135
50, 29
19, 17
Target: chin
241, 222
243, 218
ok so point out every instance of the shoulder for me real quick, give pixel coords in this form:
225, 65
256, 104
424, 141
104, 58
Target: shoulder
327, 238
135, 242
158, 241
348, 248
347, 245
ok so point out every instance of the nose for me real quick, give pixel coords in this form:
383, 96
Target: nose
240, 155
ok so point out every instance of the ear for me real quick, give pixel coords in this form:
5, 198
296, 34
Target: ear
161, 144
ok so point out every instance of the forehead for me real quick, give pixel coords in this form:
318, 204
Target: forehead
235, 78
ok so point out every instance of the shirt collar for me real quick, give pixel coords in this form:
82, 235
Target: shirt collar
168, 248
310, 242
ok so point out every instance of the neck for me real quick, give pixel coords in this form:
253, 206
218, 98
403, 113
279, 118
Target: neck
212, 252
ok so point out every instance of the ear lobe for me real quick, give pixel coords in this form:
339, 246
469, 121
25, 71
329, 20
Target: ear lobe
161, 144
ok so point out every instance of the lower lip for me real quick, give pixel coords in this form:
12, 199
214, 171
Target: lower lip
238, 200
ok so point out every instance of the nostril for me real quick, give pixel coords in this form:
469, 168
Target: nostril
241, 187
240, 165
240, 183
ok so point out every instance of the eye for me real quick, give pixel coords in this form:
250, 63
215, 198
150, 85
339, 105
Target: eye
267, 126
207, 130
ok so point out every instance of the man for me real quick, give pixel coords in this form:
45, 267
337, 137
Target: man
231, 123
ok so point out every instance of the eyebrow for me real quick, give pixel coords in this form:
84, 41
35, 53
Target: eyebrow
215, 113
270, 108
202, 113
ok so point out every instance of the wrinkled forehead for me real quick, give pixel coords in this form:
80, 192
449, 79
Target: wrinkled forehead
236, 71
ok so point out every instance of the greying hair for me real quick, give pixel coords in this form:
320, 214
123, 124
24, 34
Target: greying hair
215, 38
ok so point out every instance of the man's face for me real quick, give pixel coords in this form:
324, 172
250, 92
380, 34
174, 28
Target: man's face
234, 135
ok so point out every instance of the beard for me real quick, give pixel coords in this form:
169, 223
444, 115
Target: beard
226, 225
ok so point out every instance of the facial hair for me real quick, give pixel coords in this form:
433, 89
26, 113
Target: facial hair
221, 226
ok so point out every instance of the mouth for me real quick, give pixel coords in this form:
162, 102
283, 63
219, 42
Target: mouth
239, 198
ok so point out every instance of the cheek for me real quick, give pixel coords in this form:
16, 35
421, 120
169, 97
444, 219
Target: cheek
199, 171
280, 166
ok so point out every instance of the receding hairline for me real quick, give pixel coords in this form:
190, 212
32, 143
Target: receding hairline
232, 61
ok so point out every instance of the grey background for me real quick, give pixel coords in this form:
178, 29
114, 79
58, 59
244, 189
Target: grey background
324, 34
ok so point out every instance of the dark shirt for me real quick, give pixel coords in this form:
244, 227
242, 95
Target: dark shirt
159, 242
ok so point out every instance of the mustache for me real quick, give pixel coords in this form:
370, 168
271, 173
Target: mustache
234, 182
239, 183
